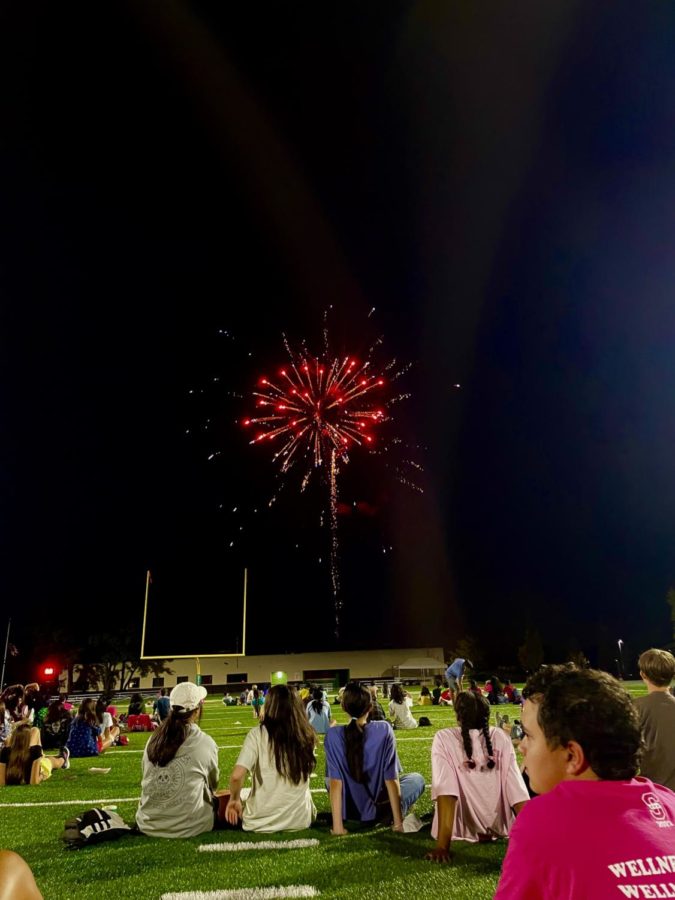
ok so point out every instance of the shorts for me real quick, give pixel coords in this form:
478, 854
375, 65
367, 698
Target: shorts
452, 682
45, 768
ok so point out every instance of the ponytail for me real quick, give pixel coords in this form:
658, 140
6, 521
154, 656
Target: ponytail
356, 701
354, 750
170, 736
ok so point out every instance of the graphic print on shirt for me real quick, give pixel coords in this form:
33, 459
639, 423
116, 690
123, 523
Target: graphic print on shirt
657, 810
168, 781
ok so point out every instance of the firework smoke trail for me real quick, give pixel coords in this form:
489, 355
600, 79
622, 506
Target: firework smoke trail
316, 410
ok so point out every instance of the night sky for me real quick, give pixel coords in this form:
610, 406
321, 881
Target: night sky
499, 187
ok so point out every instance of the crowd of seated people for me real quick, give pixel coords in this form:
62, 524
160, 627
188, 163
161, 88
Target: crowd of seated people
584, 740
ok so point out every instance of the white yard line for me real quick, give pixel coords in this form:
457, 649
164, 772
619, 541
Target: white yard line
234, 846
268, 893
104, 801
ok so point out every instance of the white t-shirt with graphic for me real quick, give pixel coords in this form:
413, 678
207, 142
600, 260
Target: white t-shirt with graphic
176, 799
274, 804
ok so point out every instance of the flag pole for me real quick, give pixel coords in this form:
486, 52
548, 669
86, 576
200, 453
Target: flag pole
145, 611
4, 658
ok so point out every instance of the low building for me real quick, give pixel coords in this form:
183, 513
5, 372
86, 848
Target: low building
336, 667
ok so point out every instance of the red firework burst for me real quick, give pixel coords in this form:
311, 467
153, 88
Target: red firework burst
318, 410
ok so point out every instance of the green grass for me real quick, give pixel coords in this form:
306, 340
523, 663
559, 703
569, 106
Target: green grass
373, 864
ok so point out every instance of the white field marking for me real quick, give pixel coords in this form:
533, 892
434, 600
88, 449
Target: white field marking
268, 893
104, 801
232, 846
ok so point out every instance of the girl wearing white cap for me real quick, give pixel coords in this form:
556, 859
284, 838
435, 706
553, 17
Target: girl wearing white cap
180, 771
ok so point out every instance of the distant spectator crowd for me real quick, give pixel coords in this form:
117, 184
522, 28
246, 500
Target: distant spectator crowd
589, 813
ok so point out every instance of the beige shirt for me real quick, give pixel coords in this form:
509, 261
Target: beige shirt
274, 804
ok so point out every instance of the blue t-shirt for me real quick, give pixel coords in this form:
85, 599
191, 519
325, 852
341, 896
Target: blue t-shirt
320, 721
163, 707
82, 738
455, 669
380, 764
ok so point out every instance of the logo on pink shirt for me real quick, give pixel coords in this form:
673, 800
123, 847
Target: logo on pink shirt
657, 810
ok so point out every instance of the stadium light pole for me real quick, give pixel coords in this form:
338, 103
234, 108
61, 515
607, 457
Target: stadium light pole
620, 644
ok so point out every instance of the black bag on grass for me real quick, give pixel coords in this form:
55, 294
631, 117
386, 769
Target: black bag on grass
92, 827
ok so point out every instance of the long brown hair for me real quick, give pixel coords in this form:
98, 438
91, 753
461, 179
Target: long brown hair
87, 711
292, 738
171, 735
19, 754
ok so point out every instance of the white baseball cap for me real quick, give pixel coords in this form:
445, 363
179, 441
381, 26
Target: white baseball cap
187, 695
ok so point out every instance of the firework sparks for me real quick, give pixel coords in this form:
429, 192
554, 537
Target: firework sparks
314, 409
314, 412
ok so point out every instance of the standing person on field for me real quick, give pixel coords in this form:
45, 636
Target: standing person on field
657, 717
596, 831
476, 782
180, 771
454, 675
318, 712
280, 755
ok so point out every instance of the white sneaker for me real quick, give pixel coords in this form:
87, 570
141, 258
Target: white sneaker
412, 822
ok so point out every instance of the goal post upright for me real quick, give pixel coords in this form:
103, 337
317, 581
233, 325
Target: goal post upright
195, 656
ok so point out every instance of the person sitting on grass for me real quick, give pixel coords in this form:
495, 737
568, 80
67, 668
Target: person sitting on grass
56, 726
496, 693
474, 689
136, 705
22, 760
476, 783
109, 731
85, 737
180, 771
161, 706
15, 707
318, 712
280, 755
582, 748
425, 697
376, 713
362, 769
399, 708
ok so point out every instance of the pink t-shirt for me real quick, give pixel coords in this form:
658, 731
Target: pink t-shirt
593, 840
484, 796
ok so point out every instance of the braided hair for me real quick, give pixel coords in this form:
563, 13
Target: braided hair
473, 711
